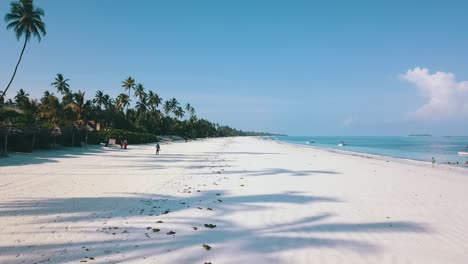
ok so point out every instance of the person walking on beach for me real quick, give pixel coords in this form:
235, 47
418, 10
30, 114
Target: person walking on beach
433, 162
158, 148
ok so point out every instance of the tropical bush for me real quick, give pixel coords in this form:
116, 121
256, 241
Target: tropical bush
68, 118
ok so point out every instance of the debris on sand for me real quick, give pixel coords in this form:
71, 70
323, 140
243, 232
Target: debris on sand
210, 226
206, 247
195, 228
155, 230
171, 233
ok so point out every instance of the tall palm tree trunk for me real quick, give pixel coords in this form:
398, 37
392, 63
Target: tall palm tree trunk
16, 68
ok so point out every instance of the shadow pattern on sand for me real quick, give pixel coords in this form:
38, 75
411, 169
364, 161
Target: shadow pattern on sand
131, 240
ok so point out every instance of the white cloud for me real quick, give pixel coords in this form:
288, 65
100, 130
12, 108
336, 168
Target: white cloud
446, 97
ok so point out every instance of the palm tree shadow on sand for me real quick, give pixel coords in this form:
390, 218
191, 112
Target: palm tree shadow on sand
122, 227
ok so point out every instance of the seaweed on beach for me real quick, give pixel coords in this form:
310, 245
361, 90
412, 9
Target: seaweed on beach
206, 247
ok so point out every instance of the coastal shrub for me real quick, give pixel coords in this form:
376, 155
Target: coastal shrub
130, 136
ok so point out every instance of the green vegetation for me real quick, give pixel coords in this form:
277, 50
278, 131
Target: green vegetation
26, 20
69, 118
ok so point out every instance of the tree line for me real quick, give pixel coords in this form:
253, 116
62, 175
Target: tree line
68, 118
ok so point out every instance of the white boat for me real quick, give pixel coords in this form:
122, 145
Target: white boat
310, 142
341, 144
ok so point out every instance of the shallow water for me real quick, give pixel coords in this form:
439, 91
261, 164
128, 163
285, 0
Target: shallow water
443, 149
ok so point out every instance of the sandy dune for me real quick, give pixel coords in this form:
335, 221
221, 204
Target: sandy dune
270, 202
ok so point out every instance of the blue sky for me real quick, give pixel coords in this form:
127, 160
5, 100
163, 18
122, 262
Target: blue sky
295, 67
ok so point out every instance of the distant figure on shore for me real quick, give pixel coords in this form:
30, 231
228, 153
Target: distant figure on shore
433, 162
125, 144
121, 144
158, 148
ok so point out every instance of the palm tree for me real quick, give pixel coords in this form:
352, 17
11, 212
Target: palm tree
78, 105
179, 112
61, 84
80, 108
154, 100
176, 109
26, 20
122, 101
128, 84
100, 99
140, 91
167, 107
108, 102
190, 109
141, 107
21, 97
46, 95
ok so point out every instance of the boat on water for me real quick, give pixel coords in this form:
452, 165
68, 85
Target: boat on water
341, 144
310, 142
464, 153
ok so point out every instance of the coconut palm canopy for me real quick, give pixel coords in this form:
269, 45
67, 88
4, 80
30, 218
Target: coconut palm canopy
25, 20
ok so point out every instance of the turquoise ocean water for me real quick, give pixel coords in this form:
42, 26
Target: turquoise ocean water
443, 149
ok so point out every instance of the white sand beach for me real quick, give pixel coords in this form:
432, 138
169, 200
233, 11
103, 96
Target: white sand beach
271, 203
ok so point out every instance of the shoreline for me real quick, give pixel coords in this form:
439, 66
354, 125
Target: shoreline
249, 200
416, 162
